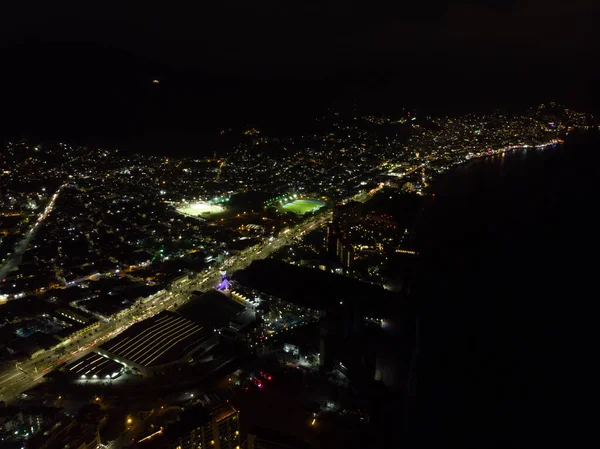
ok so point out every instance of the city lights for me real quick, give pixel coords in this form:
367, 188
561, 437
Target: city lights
105, 263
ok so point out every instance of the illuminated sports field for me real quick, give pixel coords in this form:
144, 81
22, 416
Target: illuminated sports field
303, 206
200, 209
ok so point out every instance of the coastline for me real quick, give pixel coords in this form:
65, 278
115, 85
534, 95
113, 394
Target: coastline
485, 155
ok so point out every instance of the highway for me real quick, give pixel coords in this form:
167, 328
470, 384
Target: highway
22, 376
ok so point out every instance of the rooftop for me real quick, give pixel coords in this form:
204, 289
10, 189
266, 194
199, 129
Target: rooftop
164, 338
187, 421
317, 289
223, 412
212, 309
95, 366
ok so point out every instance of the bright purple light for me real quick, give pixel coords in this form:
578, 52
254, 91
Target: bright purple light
224, 284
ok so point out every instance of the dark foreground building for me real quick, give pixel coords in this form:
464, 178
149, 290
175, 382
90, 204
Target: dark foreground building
198, 428
260, 438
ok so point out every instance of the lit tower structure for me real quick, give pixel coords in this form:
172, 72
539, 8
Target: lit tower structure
224, 284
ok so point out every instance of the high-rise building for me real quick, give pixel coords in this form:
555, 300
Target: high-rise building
344, 252
198, 428
331, 239
344, 216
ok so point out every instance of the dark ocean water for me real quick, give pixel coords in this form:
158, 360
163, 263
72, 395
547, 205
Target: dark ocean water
507, 300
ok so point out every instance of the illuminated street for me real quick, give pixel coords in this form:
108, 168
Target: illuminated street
15, 380
21, 247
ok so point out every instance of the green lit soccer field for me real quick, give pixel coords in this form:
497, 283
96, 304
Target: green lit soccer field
303, 206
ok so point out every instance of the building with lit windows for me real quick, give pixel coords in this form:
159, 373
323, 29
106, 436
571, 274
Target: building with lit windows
344, 252
198, 428
75, 316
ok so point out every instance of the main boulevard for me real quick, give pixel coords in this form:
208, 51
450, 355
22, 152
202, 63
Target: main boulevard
22, 376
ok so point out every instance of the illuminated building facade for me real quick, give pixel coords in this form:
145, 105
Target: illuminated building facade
344, 252
198, 428
337, 242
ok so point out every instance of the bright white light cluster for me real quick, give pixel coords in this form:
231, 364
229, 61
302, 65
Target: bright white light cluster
200, 208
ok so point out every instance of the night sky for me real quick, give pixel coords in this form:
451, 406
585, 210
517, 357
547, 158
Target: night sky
223, 63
